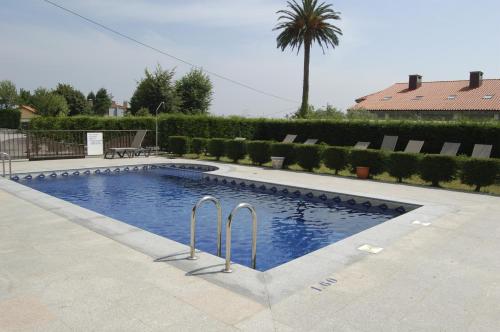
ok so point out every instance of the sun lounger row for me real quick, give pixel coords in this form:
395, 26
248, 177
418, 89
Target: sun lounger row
291, 139
448, 149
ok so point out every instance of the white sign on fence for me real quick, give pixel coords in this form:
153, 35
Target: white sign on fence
94, 144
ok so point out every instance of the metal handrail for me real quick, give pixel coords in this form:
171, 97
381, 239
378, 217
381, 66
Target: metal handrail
227, 268
214, 200
3, 155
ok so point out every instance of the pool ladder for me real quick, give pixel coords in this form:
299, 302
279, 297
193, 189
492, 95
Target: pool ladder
229, 223
3, 155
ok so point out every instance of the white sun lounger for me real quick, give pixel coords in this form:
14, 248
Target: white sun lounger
414, 146
481, 151
450, 149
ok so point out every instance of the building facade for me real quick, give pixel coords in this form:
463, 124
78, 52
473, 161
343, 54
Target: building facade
27, 113
117, 110
476, 98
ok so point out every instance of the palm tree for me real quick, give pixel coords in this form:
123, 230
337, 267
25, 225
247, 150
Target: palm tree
303, 25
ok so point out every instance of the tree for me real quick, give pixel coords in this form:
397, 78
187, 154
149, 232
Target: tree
302, 25
91, 99
102, 102
329, 112
195, 92
24, 97
143, 112
153, 89
75, 99
8, 95
48, 103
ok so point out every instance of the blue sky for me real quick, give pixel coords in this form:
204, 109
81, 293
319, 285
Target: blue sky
383, 42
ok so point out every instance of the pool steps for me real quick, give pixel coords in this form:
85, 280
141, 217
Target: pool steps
227, 266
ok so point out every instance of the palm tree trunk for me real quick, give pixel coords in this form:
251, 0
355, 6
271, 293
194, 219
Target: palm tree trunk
305, 84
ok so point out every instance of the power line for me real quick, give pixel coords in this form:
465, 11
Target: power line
167, 54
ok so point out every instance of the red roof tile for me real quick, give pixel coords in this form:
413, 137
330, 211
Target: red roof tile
435, 96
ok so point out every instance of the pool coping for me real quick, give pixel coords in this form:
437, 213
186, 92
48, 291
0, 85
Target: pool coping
269, 287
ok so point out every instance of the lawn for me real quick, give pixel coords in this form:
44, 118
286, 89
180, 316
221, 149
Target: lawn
384, 177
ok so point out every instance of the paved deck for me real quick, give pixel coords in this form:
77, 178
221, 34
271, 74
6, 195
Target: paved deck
56, 275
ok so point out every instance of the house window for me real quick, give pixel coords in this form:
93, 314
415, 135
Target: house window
452, 97
488, 97
387, 98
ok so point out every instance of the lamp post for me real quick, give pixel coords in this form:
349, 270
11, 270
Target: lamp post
157, 148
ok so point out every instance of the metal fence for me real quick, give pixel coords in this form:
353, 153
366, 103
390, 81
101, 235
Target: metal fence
60, 144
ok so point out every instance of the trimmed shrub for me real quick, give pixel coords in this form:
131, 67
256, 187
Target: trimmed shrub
479, 172
336, 158
403, 165
235, 150
437, 168
178, 145
308, 156
10, 119
375, 159
259, 151
198, 145
216, 147
286, 150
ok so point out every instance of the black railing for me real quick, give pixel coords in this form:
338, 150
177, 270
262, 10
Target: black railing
61, 144
13, 142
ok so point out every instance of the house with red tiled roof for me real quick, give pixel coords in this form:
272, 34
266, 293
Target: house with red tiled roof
440, 100
27, 113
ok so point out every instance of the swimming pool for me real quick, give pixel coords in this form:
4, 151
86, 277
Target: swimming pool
159, 199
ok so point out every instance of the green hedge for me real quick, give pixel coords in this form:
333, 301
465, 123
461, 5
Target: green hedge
375, 159
403, 165
479, 172
308, 156
259, 151
431, 168
437, 168
216, 147
332, 132
10, 119
286, 150
178, 145
336, 158
198, 145
235, 149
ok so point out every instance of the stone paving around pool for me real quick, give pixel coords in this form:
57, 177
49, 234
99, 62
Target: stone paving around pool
57, 274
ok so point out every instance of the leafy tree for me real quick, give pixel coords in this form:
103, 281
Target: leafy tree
195, 92
143, 111
76, 101
329, 112
25, 97
153, 89
8, 95
302, 25
91, 99
49, 103
102, 102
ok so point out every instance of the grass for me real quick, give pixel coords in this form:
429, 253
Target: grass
384, 177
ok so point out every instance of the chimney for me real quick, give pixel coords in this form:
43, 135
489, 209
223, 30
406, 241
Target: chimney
476, 79
415, 82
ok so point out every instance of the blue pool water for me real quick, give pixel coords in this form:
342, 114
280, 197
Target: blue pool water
154, 200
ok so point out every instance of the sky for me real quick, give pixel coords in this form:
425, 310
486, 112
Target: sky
383, 42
